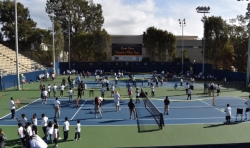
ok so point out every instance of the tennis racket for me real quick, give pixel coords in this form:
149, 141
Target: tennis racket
222, 109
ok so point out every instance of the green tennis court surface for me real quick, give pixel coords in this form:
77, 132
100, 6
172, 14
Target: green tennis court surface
175, 132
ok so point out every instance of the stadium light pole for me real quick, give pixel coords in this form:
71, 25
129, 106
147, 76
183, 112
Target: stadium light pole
204, 10
182, 24
248, 53
52, 16
16, 40
68, 18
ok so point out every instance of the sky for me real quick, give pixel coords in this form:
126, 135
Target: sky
133, 17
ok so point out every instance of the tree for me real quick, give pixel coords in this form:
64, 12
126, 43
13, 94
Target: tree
82, 15
239, 40
216, 37
83, 47
158, 43
7, 19
101, 45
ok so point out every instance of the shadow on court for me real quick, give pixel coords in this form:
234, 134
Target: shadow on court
222, 124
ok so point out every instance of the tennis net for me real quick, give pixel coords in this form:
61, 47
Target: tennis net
158, 116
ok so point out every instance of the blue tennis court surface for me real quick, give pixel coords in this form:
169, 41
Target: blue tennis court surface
182, 111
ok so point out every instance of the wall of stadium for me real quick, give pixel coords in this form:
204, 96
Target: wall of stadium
130, 48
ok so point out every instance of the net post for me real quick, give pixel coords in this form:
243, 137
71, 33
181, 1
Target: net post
161, 121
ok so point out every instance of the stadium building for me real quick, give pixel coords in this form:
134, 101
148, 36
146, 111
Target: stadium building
130, 48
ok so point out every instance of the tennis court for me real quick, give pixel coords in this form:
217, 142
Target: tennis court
182, 111
196, 116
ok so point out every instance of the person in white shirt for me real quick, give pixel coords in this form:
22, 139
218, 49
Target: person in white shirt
103, 91
117, 99
57, 107
29, 129
61, 90
142, 80
66, 128
78, 130
181, 82
228, 113
49, 132
70, 92
29, 134
116, 81
54, 89
49, 89
44, 124
112, 90
55, 135
34, 120
152, 91
12, 108
37, 142
189, 93
149, 81
45, 94
137, 92
23, 120
218, 89
248, 107
20, 132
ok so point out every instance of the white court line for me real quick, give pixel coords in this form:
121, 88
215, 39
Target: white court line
216, 108
79, 109
240, 98
20, 108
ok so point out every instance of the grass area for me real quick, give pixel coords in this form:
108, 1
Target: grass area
128, 136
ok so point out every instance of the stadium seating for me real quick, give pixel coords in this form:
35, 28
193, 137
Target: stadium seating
8, 62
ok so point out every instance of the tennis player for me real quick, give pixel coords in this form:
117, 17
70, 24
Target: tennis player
228, 113
166, 105
117, 99
131, 106
57, 107
70, 92
98, 102
248, 107
137, 95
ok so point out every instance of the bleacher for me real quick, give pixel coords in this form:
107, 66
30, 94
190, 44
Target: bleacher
8, 62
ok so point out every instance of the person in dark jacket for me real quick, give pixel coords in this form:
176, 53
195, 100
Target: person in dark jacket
131, 106
166, 105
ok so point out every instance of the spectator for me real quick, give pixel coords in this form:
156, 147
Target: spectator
66, 128
21, 135
55, 134
2, 139
49, 132
44, 124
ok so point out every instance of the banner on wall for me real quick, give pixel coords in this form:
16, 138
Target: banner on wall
127, 50
126, 58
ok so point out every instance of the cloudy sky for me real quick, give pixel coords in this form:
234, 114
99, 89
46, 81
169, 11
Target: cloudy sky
132, 17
